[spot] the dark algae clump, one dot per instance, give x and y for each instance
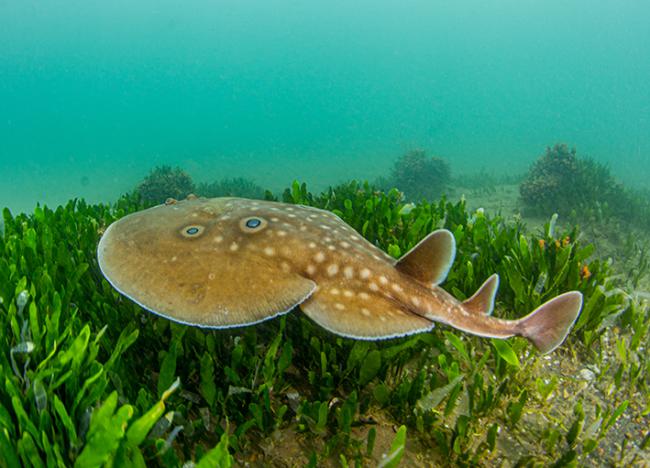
(89, 378)
(560, 181)
(419, 176)
(555, 182)
(165, 182)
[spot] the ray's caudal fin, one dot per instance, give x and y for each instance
(548, 325)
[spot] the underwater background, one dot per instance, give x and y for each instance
(522, 128)
(94, 94)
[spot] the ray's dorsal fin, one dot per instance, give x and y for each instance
(430, 260)
(482, 302)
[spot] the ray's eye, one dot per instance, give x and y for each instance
(192, 231)
(253, 223)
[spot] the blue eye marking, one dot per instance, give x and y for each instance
(253, 223)
(191, 231)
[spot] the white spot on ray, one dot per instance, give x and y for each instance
(339, 306)
(345, 245)
(348, 293)
(365, 312)
(348, 271)
(383, 280)
(397, 288)
(365, 273)
(364, 295)
(373, 287)
(312, 245)
(311, 269)
(333, 269)
(335, 291)
(319, 257)
(234, 246)
(282, 233)
(270, 251)
(217, 239)
(415, 301)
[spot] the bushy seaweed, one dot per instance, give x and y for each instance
(561, 182)
(418, 176)
(554, 182)
(165, 182)
(87, 377)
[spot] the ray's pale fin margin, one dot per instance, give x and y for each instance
(482, 302)
(548, 325)
(430, 260)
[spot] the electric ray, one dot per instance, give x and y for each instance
(228, 262)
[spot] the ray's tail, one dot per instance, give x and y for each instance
(548, 325)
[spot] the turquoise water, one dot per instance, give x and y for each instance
(93, 94)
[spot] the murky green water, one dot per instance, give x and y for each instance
(93, 94)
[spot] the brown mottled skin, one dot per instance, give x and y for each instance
(228, 262)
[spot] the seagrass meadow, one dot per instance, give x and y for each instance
(88, 378)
